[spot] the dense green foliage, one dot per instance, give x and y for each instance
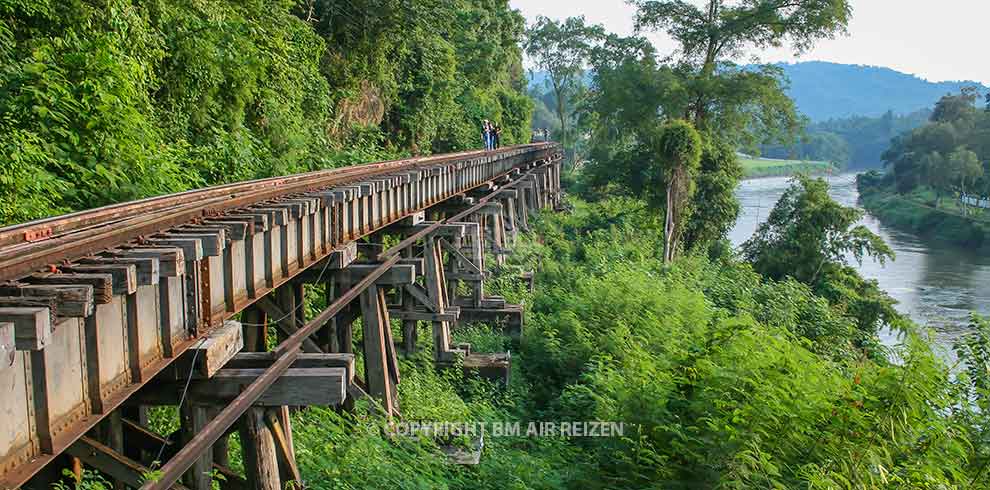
(857, 142)
(950, 154)
(730, 380)
(104, 101)
(916, 212)
(809, 237)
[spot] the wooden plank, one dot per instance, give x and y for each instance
(32, 326)
(102, 283)
(213, 240)
(236, 229)
(70, 301)
(171, 260)
(212, 353)
(47, 302)
(147, 267)
(124, 275)
(110, 462)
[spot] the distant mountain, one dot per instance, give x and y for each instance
(831, 90)
(826, 91)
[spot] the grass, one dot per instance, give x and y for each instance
(917, 212)
(764, 167)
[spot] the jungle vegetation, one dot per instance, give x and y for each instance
(110, 100)
(755, 370)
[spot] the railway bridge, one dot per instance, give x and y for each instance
(168, 301)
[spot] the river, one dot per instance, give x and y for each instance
(937, 284)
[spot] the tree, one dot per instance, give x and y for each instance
(560, 49)
(937, 173)
(808, 232)
(966, 167)
(675, 148)
(721, 31)
(955, 108)
(714, 207)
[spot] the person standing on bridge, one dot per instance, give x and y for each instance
(497, 133)
(486, 134)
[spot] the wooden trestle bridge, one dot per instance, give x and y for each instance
(107, 312)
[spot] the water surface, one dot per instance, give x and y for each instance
(937, 284)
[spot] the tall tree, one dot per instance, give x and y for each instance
(710, 37)
(675, 148)
(561, 50)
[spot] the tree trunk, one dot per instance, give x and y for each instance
(668, 227)
(559, 92)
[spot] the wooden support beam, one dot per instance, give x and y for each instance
(110, 462)
(448, 316)
(296, 387)
(422, 296)
(377, 332)
(464, 261)
(494, 367)
(399, 274)
(192, 419)
(263, 360)
(211, 353)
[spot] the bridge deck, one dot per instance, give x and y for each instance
(97, 304)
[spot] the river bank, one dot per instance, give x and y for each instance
(756, 168)
(915, 214)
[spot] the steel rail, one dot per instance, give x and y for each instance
(284, 355)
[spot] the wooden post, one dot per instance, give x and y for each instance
(255, 330)
(257, 441)
(409, 325)
(192, 419)
(436, 289)
(258, 449)
(376, 352)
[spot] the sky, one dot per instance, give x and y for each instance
(935, 40)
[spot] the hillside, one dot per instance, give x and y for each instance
(826, 90)
(830, 90)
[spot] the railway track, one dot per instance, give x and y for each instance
(99, 307)
(48, 242)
